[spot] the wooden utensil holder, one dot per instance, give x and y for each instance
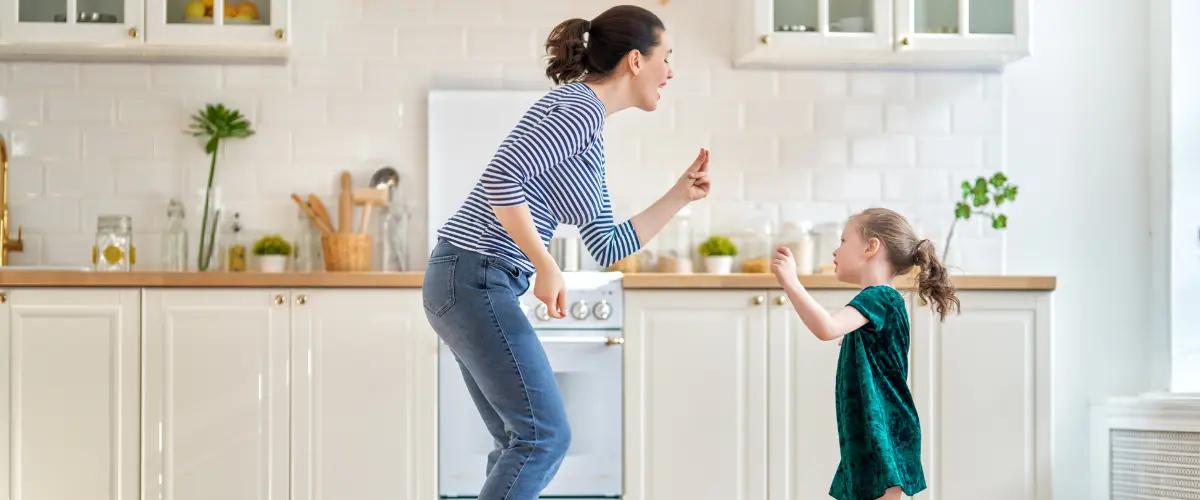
(347, 251)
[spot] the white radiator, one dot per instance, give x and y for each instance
(1147, 448)
(1154, 464)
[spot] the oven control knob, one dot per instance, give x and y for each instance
(542, 312)
(580, 310)
(603, 311)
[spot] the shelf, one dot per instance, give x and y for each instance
(78, 52)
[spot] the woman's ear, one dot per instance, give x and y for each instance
(634, 61)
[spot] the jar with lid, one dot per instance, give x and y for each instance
(675, 248)
(828, 237)
(755, 241)
(114, 250)
(797, 236)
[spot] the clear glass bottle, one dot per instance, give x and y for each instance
(174, 239)
(306, 252)
(393, 238)
(236, 254)
(114, 250)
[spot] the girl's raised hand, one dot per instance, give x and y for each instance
(783, 265)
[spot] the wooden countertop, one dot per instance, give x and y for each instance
(157, 279)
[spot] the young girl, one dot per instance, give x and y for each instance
(878, 430)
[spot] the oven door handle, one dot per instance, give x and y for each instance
(610, 341)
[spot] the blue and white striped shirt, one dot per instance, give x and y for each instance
(553, 160)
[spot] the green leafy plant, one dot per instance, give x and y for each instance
(716, 246)
(272, 244)
(214, 124)
(983, 197)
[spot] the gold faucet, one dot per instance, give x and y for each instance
(18, 244)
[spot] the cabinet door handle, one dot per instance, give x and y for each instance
(279, 300)
(302, 299)
(3, 297)
(764, 39)
(133, 32)
(279, 34)
(781, 300)
(759, 300)
(905, 42)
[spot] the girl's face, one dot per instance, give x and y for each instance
(654, 69)
(852, 255)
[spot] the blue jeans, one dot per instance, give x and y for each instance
(471, 301)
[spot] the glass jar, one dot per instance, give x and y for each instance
(675, 249)
(828, 237)
(114, 250)
(797, 236)
(235, 253)
(393, 238)
(755, 243)
(306, 252)
(174, 239)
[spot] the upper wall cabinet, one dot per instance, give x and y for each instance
(935, 34)
(90, 30)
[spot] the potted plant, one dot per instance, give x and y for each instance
(975, 200)
(213, 124)
(272, 252)
(718, 252)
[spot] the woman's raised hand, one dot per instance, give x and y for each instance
(694, 183)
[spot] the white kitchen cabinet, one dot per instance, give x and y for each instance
(802, 419)
(695, 395)
(144, 30)
(216, 394)
(112, 22)
(981, 382)
(949, 34)
(364, 395)
(69, 392)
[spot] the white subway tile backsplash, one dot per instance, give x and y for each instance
(703, 113)
(845, 117)
(783, 116)
(114, 76)
(883, 150)
(75, 179)
(127, 143)
(42, 76)
(814, 84)
(848, 185)
(21, 107)
(950, 86)
(977, 118)
(500, 44)
(176, 77)
(76, 250)
(45, 143)
(147, 109)
(952, 151)
(892, 86)
(744, 151)
(353, 96)
(919, 117)
(32, 253)
(812, 151)
(25, 179)
(779, 186)
(916, 185)
(46, 214)
(379, 40)
(82, 108)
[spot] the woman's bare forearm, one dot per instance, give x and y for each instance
(518, 221)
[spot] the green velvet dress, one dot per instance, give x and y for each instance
(878, 429)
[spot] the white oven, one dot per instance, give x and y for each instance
(585, 351)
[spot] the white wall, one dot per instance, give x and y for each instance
(100, 138)
(1077, 121)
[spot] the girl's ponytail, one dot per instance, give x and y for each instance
(933, 284)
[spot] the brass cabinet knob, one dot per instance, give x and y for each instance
(279, 34)
(3, 297)
(760, 300)
(764, 39)
(781, 300)
(611, 341)
(302, 299)
(279, 300)
(133, 32)
(905, 41)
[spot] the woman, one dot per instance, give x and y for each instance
(549, 170)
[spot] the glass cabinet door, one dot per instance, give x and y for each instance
(851, 16)
(231, 12)
(992, 17)
(57, 21)
(845, 24)
(996, 26)
(936, 16)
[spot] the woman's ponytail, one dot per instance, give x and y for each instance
(566, 48)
